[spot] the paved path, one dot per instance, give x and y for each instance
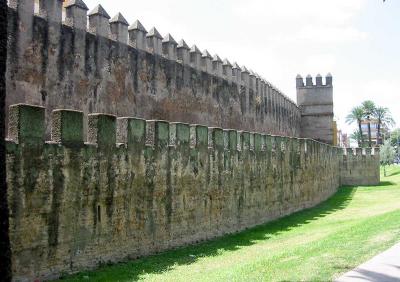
(385, 267)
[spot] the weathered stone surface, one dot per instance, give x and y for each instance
(169, 184)
(141, 186)
(360, 167)
(316, 106)
(90, 72)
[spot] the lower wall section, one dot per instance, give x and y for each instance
(360, 167)
(75, 205)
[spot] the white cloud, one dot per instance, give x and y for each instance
(381, 91)
(330, 34)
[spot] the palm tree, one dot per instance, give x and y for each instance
(384, 118)
(356, 115)
(369, 111)
(357, 136)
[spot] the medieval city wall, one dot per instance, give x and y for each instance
(138, 187)
(104, 189)
(64, 58)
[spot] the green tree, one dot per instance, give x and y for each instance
(384, 118)
(356, 115)
(395, 137)
(395, 140)
(387, 155)
(369, 111)
(357, 136)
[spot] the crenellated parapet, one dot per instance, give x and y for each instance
(315, 99)
(134, 187)
(27, 127)
(360, 166)
(98, 62)
(309, 82)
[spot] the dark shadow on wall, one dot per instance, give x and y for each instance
(133, 270)
(5, 252)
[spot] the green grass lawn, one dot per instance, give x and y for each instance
(317, 244)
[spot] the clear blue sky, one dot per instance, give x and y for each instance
(358, 41)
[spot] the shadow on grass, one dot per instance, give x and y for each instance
(163, 262)
(397, 172)
(386, 183)
(391, 171)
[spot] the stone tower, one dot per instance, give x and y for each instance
(316, 107)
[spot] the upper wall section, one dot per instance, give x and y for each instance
(62, 58)
(313, 93)
(316, 106)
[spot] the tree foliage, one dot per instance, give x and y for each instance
(395, 137)
(356, 136)
(356, 115)
(387, 155)
(368, 111)
(384, 118)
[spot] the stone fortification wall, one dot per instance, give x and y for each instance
(138, 187)
(360, 167)
(62, 58)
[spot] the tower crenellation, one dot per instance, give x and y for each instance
(227, 69)
(99, 21)
(309, 81)
(169, 47)
(183, 52)
(206, 60)
(75, 14)
(119, 28)
(245, 76)
(328, 79)
(195, 57)
(252, 79)
(316, 107)
(51, 10)
(154, 41)
(137, 35)
(217, 65)
(236, 73)
(318, 80)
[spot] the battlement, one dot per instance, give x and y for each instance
(358, 152)
(310, 83)
(27, 127)
(98, 22)
(67, 56)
